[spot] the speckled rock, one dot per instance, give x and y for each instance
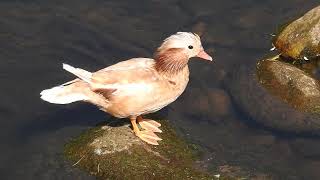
(119, 139)
(301, 38)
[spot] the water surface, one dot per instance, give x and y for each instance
(37, 36)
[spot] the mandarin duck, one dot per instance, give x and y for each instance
(135, 87)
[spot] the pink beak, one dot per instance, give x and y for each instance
(202, 54)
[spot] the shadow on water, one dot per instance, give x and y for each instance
(251, 123)
(81, 115)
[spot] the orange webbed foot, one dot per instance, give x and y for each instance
(148, 136)
(149, 125)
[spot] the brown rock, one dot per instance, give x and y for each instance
(260, 105)
(199, 28)
(263, 140)
(197, 101)
(301, 38)
(310, 169)
(290, 83)
(220, 104)
(213, 104)
(194, 101)
(306, 147)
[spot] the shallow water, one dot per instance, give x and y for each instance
(36, 37)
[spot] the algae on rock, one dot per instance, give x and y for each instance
(300, 39)
(293, 85)
(116, 153)
(298, 90)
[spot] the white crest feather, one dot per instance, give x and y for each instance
(181, 39)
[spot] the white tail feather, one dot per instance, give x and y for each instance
(63, 94)
(57, 95)
(81, 73)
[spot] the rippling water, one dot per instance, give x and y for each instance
(37, 36)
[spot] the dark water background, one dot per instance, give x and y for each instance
(37, 36)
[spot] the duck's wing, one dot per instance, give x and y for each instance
(127, 77)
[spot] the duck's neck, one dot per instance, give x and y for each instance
(171, 61)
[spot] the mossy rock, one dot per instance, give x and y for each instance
(293, 84)
(265, 104)
(300, 39)
(114, 152)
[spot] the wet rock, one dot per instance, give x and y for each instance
(236, 172)
(258, 104)
(233, 143)
(301, 38)
(231, 171)
(263, 140)
(310, 169)
(194, 102)
(290, 83)
(116, 153)
(308, 148)
(211, 104)
(220, 103)
(199, 28)
(262, 177)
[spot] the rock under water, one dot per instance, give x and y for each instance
(277, 92)
(293, 85)
(266, 108)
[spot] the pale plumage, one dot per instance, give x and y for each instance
(137, 86)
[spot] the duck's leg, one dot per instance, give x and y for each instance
(145, 135)
(149, 124)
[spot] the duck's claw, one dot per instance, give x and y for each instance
(150, 125)
(149, 137)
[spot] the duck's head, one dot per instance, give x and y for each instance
(176, 50)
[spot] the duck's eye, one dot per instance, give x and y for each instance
(190, 47)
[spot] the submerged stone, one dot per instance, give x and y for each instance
(300, 39)
(306, 147)
(114, 152)
(290, 83)
(275, 99)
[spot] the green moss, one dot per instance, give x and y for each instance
(172, 159)
(294, 38)
(281, 26)
(316, 110)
